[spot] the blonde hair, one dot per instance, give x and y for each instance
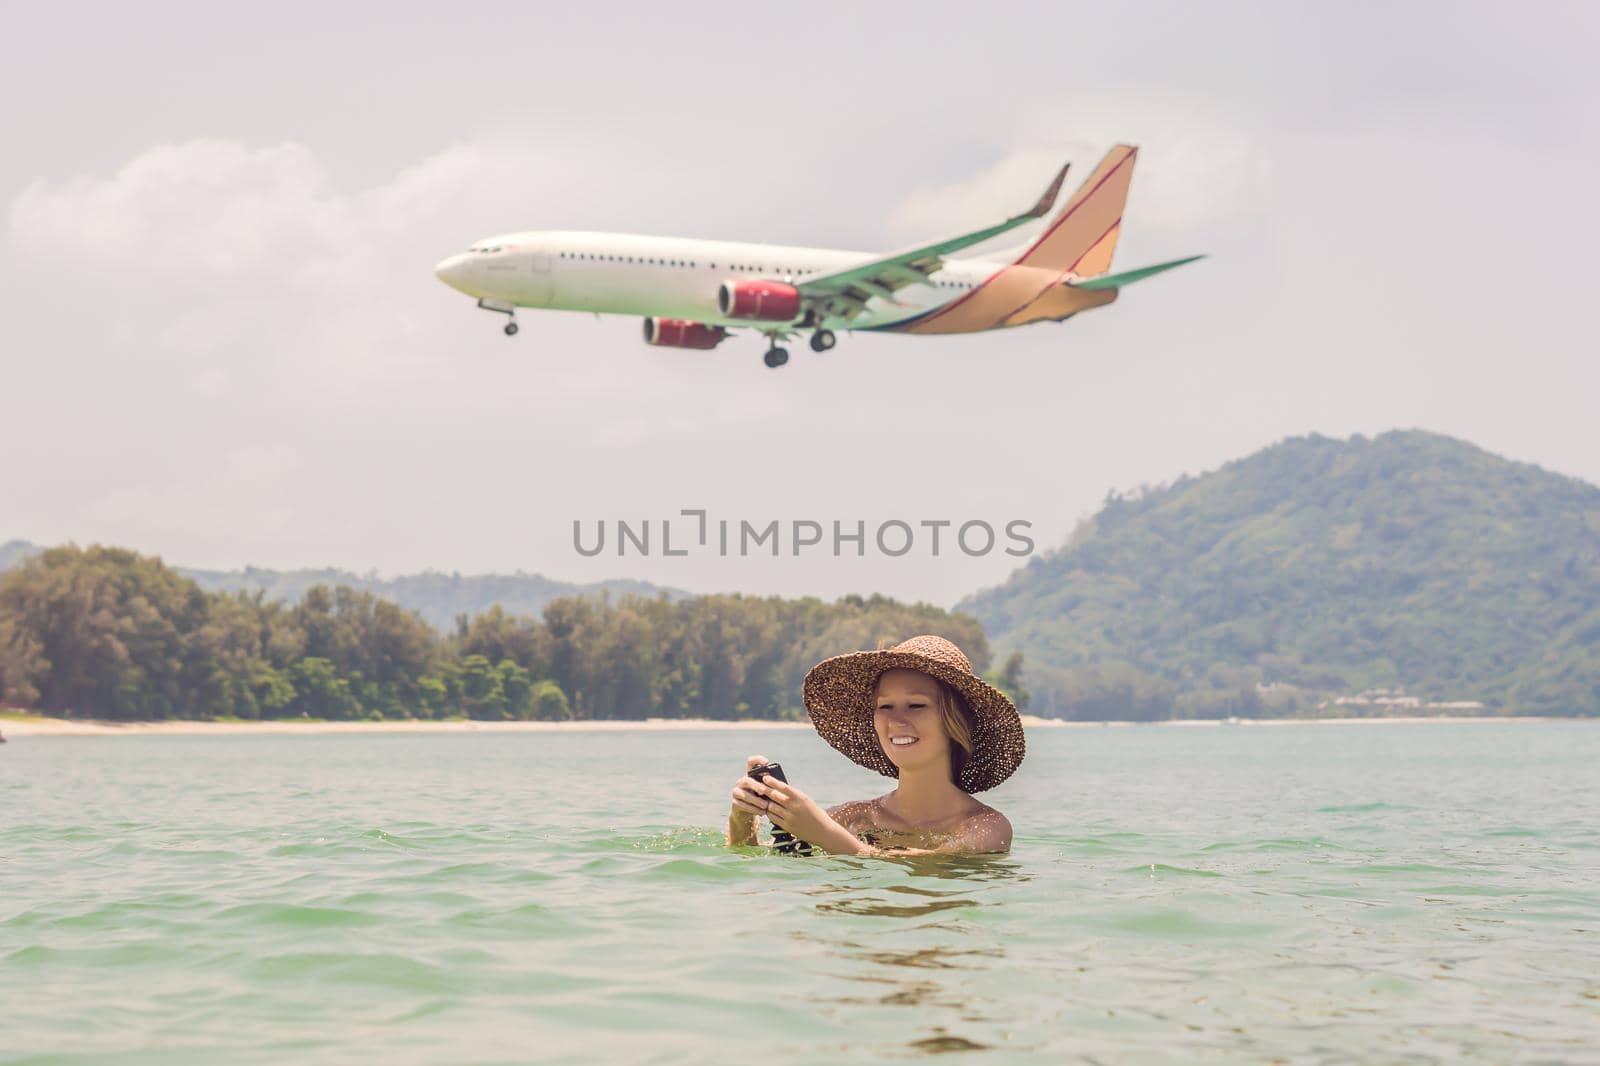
(957, 718)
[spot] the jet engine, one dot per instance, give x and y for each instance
(764, 301)
(682, 333)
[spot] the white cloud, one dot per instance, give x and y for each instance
(205, 207)
(254, 251)
(223, 211)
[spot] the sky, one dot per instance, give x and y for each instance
(221, 340)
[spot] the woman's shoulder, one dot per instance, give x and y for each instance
(986, 829)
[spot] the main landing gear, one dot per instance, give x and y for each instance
(822, 340)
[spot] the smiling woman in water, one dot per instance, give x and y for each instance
(915, 712)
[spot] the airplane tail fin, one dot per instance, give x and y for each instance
(1083, 235)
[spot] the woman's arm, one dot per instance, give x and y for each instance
(835, 839)
(799, 815)
(741, 828)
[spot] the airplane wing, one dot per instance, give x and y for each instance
(845, 294)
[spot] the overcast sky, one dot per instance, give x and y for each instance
(223, 342)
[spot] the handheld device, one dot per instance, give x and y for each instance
(783, 842)
(771, 769)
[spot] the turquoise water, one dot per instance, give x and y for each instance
(1307, 893)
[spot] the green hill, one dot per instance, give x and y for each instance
(438, 597)
(1312, 570)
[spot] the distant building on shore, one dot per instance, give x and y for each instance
(1395, 699)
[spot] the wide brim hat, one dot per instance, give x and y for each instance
(841, 695)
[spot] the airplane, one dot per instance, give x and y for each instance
(692, 293)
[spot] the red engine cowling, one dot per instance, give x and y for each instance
(682, 333)
(764, 301)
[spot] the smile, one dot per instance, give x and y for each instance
(902, 742)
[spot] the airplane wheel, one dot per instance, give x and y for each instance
(822, 340)
(511, 329)
(775, 357)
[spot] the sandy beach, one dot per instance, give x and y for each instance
(40, 726)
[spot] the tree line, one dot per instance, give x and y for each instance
(107, 633)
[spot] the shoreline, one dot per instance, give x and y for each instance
(41, 726)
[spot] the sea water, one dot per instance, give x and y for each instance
(1307, 893)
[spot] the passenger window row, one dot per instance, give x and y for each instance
(630, 259)
(737, 267)
(650, 261)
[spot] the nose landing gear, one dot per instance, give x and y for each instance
(509, 310)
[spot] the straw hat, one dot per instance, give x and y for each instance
(841, 694)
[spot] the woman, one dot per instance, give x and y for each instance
(916, 712)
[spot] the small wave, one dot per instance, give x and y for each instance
(1155, 868)
(1410, 868)
(136, 954)
(292, 914)
(1470, 890)
(528, 919)
(385, 970)
(1277, 844)
(690, 870)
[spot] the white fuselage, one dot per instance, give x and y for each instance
(671, 277)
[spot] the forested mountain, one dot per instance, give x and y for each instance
(1314, 569)
(438, 597)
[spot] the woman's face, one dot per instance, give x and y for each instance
(907, 708)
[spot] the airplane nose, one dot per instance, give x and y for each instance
(453, 272)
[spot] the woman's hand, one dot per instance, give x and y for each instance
(746, 800)
(747, 807)
(799, 815)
